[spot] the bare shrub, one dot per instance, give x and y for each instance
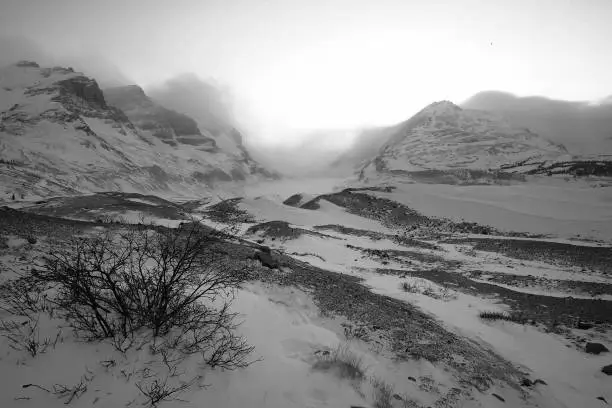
(410, 287)
(509, 317)
(25, 336)
(24, 296)
(72, 392)
(64, 391)
(424, 287)
(159, 390)
(355, 332)
(382, 393)
(346, 363)
(177, 283)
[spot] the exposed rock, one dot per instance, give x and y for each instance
(446, 144)
(526, 382)
(294, 200)
(89, 144)
(498, 397)
(283, 231)
(267, 260)
(595, 348)
(584, 325)
(83, 88)
(607, 369)
(168, 125)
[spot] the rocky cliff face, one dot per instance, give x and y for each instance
(207, 103)
(171, 127)
(446, 139)
(59, 134)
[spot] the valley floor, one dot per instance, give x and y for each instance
(451, 296)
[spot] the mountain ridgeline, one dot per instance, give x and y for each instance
(444, 143)
(61, 133)
(169, 126)
(584, 128)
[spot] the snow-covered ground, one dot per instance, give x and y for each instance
(281, 189)
(266, 209)
(289, 331)
(565, 210)
(573, 377)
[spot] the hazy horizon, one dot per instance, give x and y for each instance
(296, 66)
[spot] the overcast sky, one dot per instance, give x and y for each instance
(337, 63)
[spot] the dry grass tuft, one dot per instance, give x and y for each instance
(346, 363)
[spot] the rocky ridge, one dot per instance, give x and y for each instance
(446, 139)
(59, 134)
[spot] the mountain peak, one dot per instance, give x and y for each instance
(127, 96)
(441, 107)
(445, 137)
(135, 89)
(25, 64)
(91, 144)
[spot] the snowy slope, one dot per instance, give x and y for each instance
(445, 137)
(58, 134)
(208, 103)
(169, 126)
(584, 127)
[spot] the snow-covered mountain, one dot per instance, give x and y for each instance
(169, 126)
(59, 134)
(366, 144)
(209, 105)
(584, 128)
(444, 137)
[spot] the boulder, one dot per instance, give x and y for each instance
(607, 370)
(595, 348)
(499, 397)
(267, 260)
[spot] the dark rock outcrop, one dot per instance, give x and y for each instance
(83, 88)
(584, 325)
(499, 397)
(267, 260)
(166, 124)
(294, 200)
(595, 348)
